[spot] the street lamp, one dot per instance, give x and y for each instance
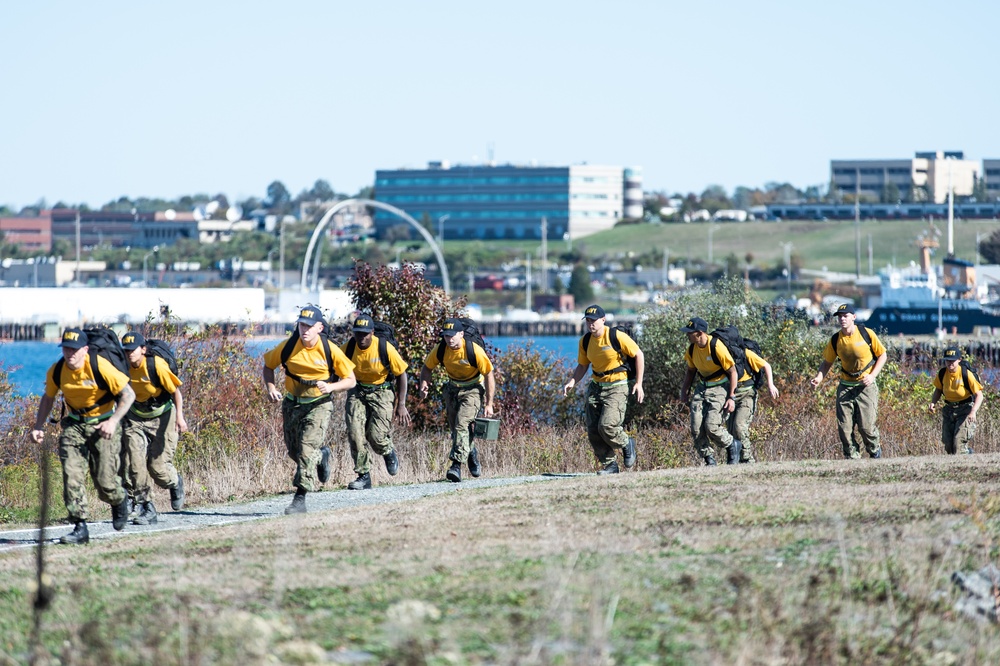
(441, 230)
(269, 254)
(145, 274)
(712, 228)
(788, 266)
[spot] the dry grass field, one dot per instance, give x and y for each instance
(809, 562)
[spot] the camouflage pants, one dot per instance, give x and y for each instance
(956, 428)
(740, 419)
(148, 447)
(462, 405)
(305, 428)
(82, 449)
(857, 405)
(368, 413)
(605, 419)
(708, 419)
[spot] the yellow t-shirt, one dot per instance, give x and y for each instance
(754, 363)
(79, 387)
(602, 357)
(142, 383)
(368, 368)
(708, 368)
(456, 363)
(854, 353)
(309, 364)
(952, 386)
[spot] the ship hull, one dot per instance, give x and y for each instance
(924, 321)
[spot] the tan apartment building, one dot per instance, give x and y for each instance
(925, 177)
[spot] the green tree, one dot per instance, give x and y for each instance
(989, 248)
(278, 198)
(890, 193)
(579, 284)
(321, 190)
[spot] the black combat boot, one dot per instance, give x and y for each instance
(391, 463)
(610, 468)
(298, 504)
(877, 454)
(733, 452)
(710, 460)
(177, 494)
(363, 482)
(146, 515)
(78, 535)
(628, 453)
(474, 468)
(454, 472)
(323, 466)
(119, 515)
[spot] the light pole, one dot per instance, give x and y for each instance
(269, 253)
(145, 273)
(441, 230)
(712, 228)
(788, 266)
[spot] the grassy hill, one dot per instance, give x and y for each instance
(830, 243)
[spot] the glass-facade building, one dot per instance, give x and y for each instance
(507, 201)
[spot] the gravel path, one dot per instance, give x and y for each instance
(272, 507)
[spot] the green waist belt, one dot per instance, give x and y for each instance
(465, 384)
(152, 412)
(91, 420)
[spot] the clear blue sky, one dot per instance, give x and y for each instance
(161, 99)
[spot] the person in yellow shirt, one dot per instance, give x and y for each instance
(151, 428)
(470, 387)
(314, 369)
(98, 396)
(369, 408)
(862, 356)
(608, 390)
(714, 397)
(963, 394)
(746, 401)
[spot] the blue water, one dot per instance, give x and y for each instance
(27, 362)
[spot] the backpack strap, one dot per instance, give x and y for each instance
(57, 372)
(383, 353)
(286, 353)
(154, 376)
(713, 341)
(965, 378)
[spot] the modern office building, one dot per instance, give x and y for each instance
(924, 177)
(510, 201)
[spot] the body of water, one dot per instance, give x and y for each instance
(27, 362)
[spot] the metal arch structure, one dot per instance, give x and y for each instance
(317, 232)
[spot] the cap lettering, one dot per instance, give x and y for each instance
(71, 336)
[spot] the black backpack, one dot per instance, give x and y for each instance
(866, 336)
(162, 349)
(731, 338)
(101, 341)
(472, 334)
(286, 353)
(386, 335)
(627, 362)
(756, 375)
(967, 369)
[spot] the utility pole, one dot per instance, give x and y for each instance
(78, 246)
(857, 223)
(666, 262)
(527, 283)
(281, 255)
(543, 287)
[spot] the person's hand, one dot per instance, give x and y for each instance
(273, 394)
(488, 411)
(402, 416)
(773, 390)
(972, 417)
(868, 379)
(933, 406)
(424, 389)
(107, 428)
(730, 405)
(817, 380)
(182, 425)
(569, 386)
(638, 393)
(38, 436)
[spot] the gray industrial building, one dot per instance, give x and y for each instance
(510, 201)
